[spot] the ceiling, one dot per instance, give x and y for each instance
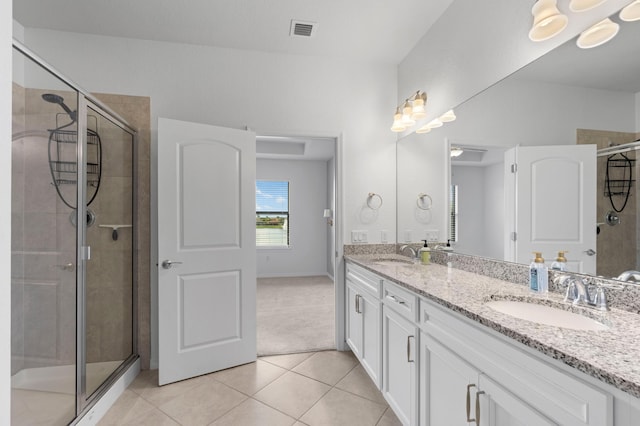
(367, 30)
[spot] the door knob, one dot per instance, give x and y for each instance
(590, 252)
(167, 264)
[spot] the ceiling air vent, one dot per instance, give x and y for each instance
(302, 28)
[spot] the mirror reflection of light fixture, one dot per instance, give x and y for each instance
(397, 122)
(547, 20)
(631, 12)
(424, 129)
(435, 123)
(456, 152)
(327, 214)
(583, 5)
(598, 34)
(411, 110)
(448, 116)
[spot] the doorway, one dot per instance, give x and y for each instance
(295, 244)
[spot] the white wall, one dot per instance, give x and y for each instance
(478, 43)
(5, 213)
(307, 254)
(269, 93)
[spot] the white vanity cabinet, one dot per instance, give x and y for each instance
(400, 352)
(453, 392)
(467, 369)
(364, 319)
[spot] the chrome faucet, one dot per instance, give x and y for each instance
(629, 276)
(414, 252)
(578, 293)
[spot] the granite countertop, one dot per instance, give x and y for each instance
(609, 355)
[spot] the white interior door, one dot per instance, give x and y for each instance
(554, 193)
(206, 248)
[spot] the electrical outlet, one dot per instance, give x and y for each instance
(407, 235)
(431, 235)
(383, 236)
(358, 236)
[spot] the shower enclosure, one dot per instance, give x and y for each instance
(72, 274)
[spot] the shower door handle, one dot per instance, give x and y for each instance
(167, 264)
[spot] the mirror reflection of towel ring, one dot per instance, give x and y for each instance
(374, 201)
(420, 202)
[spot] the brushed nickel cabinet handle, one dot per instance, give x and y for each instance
(358, 309)
(409, 349)
(469, 419)
(478, 407)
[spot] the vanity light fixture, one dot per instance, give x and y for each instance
(424, 129)
(412, 109)
(631, 12)
(448, 116)
(598, 34)
(583, 5)
(547, 20)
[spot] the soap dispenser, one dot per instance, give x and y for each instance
(425, 253)
(538, 274)
(560, 264)
(448, 247)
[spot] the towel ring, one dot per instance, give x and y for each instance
(371, 203)
(420, 201)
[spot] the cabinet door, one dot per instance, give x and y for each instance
(448, 386)
(399, 380)
(499, 407)
(354, 320)
(371, 352)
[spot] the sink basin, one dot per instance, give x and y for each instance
(547, 315)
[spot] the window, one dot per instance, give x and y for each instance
(272, 213)
(453, 213)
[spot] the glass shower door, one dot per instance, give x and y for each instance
(109, 272)
(43, 247)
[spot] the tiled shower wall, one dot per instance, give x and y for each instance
(43, 241)
(617, 247)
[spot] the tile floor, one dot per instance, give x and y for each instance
(317, 388)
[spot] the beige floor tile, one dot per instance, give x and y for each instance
(328, 367)
(129, 407)
(158, 395)
(249, 378)
(359, 383)
(146, 379)
(287, 361)
(292, 394)
(254, 413)
(29, 407)
(203, 404)
(338, 408)
(389, 419)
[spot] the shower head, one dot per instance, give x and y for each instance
(56, 99)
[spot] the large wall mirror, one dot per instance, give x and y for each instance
(569, 97)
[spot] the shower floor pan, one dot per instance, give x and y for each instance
(62, 378)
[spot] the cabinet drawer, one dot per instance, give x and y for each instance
(399, 299)
(367, 280)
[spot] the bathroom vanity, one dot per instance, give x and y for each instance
(441, 355)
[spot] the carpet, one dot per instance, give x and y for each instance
(295, 314)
